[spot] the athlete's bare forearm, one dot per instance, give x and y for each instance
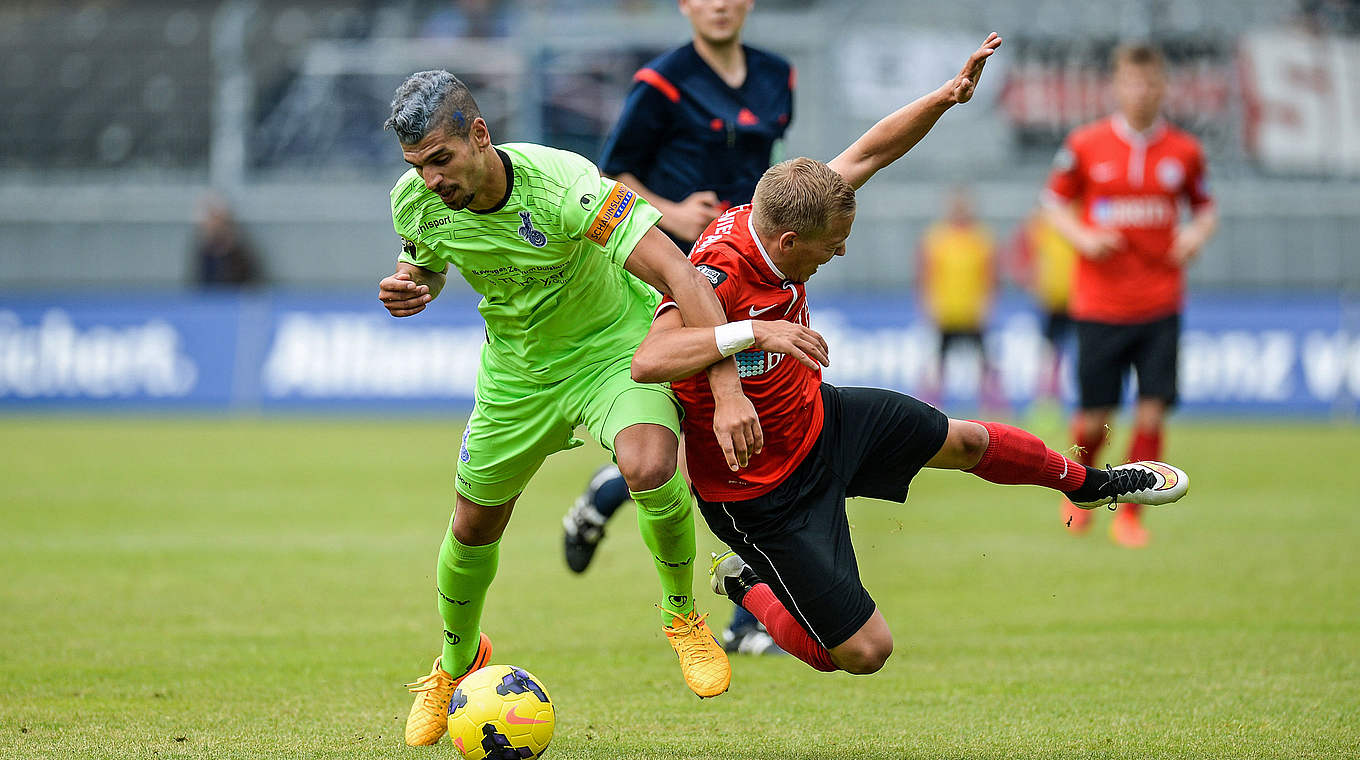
(671, 351)
(899, 132)
(409, 290)
(891, 138)
(660, 264)
(422, 276)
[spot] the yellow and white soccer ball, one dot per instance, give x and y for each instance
(501, 712)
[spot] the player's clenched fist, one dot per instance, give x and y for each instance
(792, 339)
(402, 296)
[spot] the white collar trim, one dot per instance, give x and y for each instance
(751, 225)
(1131, 135)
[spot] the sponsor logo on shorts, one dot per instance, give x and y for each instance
(463, 455)
(714, 275)
(616, 208)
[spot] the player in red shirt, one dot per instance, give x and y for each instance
(1116, 192)
(785, 511)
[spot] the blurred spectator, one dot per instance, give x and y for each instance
(469, 18)
(222, 255)
(958, 282)
(1042, 262)
(1330, 16)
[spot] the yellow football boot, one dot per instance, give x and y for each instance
(702, 660)
(429, 718)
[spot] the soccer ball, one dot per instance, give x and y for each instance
(501, 712)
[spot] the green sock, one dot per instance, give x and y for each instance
(667, 528)
(464, 575)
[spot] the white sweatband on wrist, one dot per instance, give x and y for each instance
(734, 336)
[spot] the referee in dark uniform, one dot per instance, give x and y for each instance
(699, 127)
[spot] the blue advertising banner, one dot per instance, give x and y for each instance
(1240, 353)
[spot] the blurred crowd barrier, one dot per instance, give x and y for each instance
(1249, 355)
(122, 114)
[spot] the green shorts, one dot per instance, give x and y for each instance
(516, 424)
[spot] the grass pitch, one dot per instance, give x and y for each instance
(261, 589)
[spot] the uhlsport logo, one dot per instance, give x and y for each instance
(433, 224)
(526, 230)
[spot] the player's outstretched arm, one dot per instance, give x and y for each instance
(671, 351)
(656, 261)
(897, 133)
(410, 289)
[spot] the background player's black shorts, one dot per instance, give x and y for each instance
(951, 338)
(1057, 325)
(1105, 352)
(797, 537)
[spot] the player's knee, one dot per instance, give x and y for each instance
(866, 657)
(972, 441)
(643, 473)
(963, 446)
(479, 525)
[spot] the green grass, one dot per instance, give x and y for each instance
(247, 589)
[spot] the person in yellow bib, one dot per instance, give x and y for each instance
(1043, 262)
(958, 283)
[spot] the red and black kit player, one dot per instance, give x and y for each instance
(1116, 192)
(793, 564)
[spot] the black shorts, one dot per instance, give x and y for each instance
(1057, 325)
(951, 338)
(1106, 352)
(797, 537)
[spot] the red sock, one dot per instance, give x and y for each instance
(1016, 457)
(784, 629)
(1146, 444)
(1087, 447)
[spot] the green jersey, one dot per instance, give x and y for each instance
(548, 261)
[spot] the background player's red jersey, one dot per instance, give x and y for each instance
(1132, 183)
(784, 392)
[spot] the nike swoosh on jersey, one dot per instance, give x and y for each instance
(757, 312)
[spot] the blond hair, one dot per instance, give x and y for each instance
(803, 195)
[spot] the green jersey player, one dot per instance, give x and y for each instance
(568, 265)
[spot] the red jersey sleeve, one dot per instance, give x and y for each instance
(1066, 180)
(718, 269)
(1196, 189)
